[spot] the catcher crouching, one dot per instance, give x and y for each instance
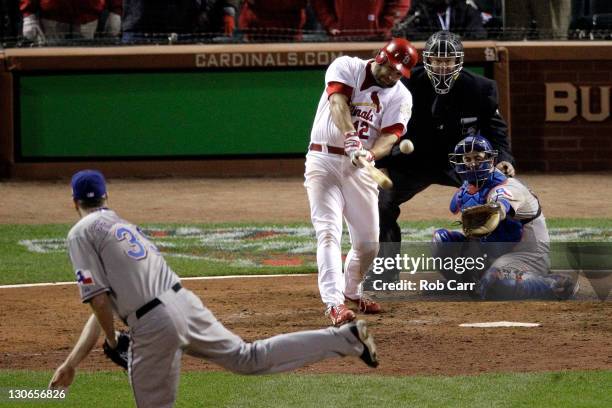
(502, 217)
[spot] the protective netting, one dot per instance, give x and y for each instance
(271, 35)
(24, 24)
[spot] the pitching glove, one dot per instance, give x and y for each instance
(119, 354)
(31, 29)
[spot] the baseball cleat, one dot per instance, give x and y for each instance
(566, 288)
(340, 314)
(360, 330)
(366, 305)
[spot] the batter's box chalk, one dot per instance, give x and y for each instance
(500, 324)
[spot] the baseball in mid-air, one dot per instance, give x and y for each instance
(406, 146)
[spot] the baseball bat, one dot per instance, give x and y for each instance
(379, 177)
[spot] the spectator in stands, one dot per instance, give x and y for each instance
(491, 15)
(9, 17)
(552, 18)
(313, 29)
(360, 19)
(272, 20)
(561, 17)
(53, 21)
(429, 16)
(176, 20)
(218, 17)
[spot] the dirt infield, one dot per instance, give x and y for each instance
(269, 200)
(39, 325)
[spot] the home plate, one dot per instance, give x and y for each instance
(500, 324)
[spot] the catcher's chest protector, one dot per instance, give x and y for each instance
(468, 196)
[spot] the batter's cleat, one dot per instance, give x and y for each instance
(360, 330)
(366, 305)
(340, 314)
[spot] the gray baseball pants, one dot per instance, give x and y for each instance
(182, 324)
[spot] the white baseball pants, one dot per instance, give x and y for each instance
(336, 190)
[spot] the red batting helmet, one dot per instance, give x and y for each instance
(400, 54)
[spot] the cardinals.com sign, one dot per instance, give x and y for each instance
(266, 59)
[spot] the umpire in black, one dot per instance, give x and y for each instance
(449, 104)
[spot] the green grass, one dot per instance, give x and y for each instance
(220, 389)
(199, 253)
(18, 265)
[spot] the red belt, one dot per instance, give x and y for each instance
(330, 149)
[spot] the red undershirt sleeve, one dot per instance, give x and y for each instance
(339, 87)
(396, 129)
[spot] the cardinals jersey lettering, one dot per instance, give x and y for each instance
(374, 109)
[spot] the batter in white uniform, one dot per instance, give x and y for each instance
(362, 112)
(119, 271)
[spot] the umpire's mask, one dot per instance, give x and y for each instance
(443, 60)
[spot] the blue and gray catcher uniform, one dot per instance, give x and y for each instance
(522, 271)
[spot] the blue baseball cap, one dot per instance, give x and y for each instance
(88, 185)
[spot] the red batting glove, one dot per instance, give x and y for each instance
(366, 154)
(352, 143)
(354, 149)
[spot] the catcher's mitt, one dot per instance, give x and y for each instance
(480, 220)
(119, 354)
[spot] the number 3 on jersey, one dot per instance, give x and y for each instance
(136, 249)
(362, 129)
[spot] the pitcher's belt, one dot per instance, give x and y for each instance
(147, 307)
(143, 310)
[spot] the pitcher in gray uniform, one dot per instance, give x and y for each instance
(119, 271)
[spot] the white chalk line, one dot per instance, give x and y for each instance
(30, 285)
(500, 324)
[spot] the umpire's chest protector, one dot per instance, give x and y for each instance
(439, 122)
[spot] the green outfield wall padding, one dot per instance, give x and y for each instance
(167, 114)
(118, 115)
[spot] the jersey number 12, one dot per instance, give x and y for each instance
(362, 129)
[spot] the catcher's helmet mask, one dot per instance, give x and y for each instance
(443, 60)
(474, 159)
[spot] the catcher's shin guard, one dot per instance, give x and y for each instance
(453, 244)
(444, 235)
(513, 284)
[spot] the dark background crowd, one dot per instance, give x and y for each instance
(74, 22)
